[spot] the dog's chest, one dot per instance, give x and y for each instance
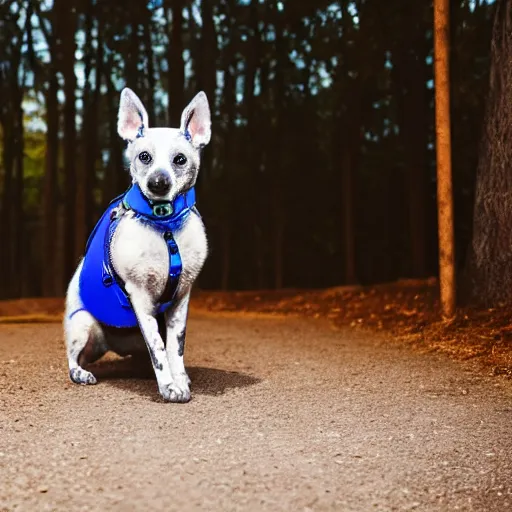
(140, 255)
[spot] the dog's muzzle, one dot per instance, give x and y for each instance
(159, 183)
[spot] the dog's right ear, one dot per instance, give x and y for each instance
(196, 121)
(133, 118)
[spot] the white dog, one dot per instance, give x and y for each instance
(144, 254)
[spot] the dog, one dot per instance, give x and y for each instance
(131, 290)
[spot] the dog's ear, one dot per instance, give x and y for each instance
(132, 119)
(196, 121)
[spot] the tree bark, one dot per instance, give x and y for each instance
(488, 273)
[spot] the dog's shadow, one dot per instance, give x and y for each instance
(136, 375)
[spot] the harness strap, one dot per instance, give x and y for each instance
(110, 276)
(102, 290)
(175, 268)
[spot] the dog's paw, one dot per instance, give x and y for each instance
(176, 392)
(81, 376)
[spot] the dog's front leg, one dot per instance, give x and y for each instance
(176, 324)
(143, 308)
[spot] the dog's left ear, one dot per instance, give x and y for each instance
(196, 121)
(132, 118)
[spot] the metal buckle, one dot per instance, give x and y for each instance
(162, 210)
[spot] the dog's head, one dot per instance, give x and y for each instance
(164, 161)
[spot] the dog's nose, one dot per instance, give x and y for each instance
(159, 183)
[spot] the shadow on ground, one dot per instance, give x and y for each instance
(136, 375)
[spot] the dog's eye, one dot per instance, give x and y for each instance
(145, 157)
(180, 159)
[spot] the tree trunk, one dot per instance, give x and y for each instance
(11, 117)
(206, 74)
(7, 206)
(443, 154)
(50, 188)
(51, 282)
(252, 106)
(18, 224)
(348, 220)
(348, 130)
(67, 51)
(259, 255)
(175, 62)
(150, 85)
(209, 51)
(279, 230)
(226, 256)
(116, 178)
(84, 195)
(229, 147)
(277, 172)
(92, 150)
(194, 48)
(415, 136)
(488, 274)
(410, 50)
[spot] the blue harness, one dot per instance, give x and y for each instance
(101, 290)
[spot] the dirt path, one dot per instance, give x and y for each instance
(286, 415)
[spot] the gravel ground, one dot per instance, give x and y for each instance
(286, 414)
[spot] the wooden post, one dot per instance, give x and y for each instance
(443, 152)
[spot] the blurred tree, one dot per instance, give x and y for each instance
(175, 61)
(12, 85)
(48, 82)
(411, 49)
(86, 171)
(149, 82)
(206, 74)
(65, 23)
(322, 150)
